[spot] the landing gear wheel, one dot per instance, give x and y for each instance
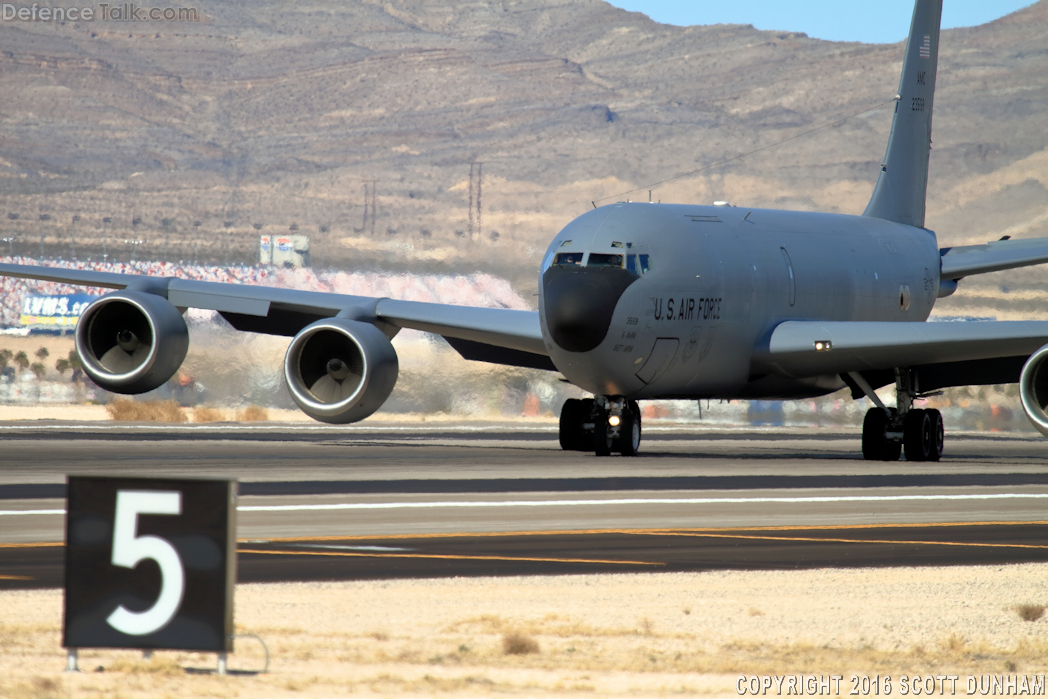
(938, 435)
(572, 415)
(917, 438)
(875, 443)
(628, 441)
(601, 440)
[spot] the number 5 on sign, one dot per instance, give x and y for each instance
(129, 550)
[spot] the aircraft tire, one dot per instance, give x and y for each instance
(917, 435)
(628, 442)
(875, 444)
(572, 415)
(938, 435)
(601, 442)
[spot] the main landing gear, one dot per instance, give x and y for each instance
(889, 432)
(601, 425)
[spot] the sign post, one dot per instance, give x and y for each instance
(150, 564)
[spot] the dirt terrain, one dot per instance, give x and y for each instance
(633, 635)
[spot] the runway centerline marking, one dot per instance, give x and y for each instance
(452, 557)
(636, 501)
(616, 501)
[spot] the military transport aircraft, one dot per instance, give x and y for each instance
(641, 301)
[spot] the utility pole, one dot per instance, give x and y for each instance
(476, 175)
(364, 222)
(76, 219)
(471, 166)
(373, 183)
(106, 220)
(480, 179)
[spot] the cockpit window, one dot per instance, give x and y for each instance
(645, 264)
(568, 258)
(631, 264)
(603, 260)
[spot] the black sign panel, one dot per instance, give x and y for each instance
(150, 563)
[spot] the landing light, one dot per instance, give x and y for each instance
(823, 345)
(614, 420)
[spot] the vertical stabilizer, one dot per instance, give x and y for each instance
(903, 182)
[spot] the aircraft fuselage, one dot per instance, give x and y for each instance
(718, 280)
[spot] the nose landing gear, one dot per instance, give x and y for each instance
(602, 425)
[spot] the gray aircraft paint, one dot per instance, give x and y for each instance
(719, 285)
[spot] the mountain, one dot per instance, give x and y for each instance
(259, 116)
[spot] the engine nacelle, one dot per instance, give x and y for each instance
(1033, 389)
(339, 370)
(131, 341)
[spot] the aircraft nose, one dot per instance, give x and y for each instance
(579, 302)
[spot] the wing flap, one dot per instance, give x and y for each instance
(866, 346)
(998, 255)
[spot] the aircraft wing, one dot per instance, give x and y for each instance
(966, 260)
(496, 335)
(873, 346)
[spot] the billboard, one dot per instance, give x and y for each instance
(53, 313)
(287, 251)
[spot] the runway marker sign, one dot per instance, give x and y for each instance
(150, 563)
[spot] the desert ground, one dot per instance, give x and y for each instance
(604, 635)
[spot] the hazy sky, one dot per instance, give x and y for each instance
(871, 21)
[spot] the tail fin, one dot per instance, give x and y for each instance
(903, 181)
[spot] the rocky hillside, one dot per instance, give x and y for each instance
(194, 137)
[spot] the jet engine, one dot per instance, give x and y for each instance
(339, 370)
(1033, 389)
(131, 341)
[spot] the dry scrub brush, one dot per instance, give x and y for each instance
(517, 643)
(203, 413)
(253, 413)
(127, 410)
(1030, 612)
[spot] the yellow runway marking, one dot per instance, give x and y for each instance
(450, 557)
(665, 531)
(15, 577)
(856, 541)
(644, 532)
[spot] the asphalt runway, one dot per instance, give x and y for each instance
(433, 500)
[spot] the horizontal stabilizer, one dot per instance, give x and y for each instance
(966, 260)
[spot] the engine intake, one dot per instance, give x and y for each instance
(1033, 389)
(340, 371)
(131, 341)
